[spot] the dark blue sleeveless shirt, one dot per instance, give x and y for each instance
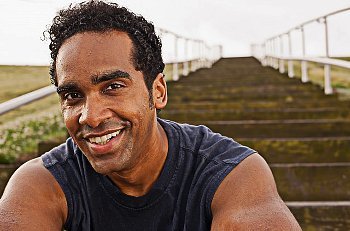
(197, 162)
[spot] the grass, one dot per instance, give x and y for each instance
(18, 80)
(19, 139)
(23, 128)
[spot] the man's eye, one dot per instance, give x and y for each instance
(72, 96)
(114, 86)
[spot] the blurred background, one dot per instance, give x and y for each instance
(249, 69)
(234, 24)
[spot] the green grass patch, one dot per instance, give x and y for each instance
(22, 129)
(19, 139)
(18, 80)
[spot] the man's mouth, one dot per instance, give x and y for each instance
(102, 140)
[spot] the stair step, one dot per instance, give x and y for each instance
(229, 82)
(312, 181)
(181, 115)
(321, 215)
(301, 150)
(246, 95)
(279, 128)
(258, 103)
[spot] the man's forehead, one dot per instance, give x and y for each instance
(94, 53)
(91, 39)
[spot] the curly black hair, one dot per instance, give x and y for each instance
(100, 16)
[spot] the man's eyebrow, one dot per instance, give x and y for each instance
(66, 87)
(96, 79)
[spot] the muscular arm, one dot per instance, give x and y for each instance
(32, 200)
(247, 199)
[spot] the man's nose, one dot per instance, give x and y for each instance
(94, 112)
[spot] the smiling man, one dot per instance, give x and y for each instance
(123, 168)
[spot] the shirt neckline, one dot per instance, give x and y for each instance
(159, 188)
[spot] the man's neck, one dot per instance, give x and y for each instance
(139, 180)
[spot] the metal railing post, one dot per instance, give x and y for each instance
(185, 69)
(327, 80)
(197, 63)
(276, 64)
(267, 52)
(220, 51)
(175, 64)
(199, 55)
(202, 54)
(193, 61)
(327, 69)
(290, 62)
(264, 61)
(206, 56)
(281, 68)
(304, 75)
(270, 52)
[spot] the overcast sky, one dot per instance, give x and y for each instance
(235, 24)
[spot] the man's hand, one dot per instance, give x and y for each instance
(33, 200)
(247, 199)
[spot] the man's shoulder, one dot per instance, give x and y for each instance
(59, 154)
(32, 175)
(255, 203)
(30, 189)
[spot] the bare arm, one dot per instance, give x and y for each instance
(33, 200)
(247, 199)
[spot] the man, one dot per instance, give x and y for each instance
(124, 168)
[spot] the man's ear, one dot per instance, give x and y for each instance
(160, 97)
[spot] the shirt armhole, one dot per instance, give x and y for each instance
(58, 175)
(216, 181)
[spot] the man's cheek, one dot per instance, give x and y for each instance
(70, 118)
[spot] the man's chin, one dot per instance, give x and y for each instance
(103, 170)
(106, 167)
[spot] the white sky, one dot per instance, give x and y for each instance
(235, 24)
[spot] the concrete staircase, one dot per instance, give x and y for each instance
(303, 134)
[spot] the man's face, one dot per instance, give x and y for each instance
(104, 100)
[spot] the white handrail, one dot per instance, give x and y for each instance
(205, 56)
(320, 60)
(26, 98)
(268, 54)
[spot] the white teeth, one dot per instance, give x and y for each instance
(103, 139)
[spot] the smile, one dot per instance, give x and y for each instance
(102, 140)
